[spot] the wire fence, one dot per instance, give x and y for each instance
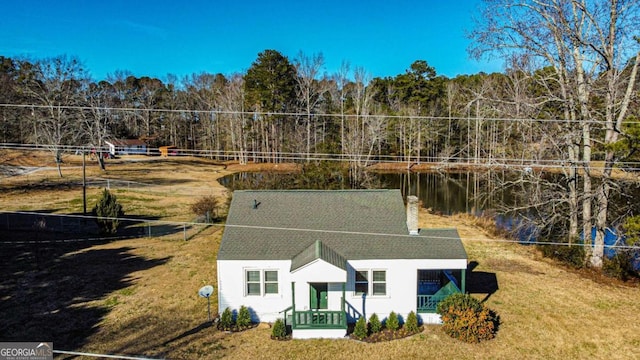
(38, 227)
(438, 161)
(152, 188)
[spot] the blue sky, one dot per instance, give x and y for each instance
(154, 38)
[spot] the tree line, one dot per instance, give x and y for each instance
(567, 98)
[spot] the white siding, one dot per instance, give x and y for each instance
(231, 288)
(402, 278)
(319, 271)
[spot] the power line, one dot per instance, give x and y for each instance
(303, 114)
(438, 162)
(326, 231)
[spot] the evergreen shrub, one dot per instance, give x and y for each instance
(392, 322)
(244, 318)
(374, 324)
(279, 330)
(107, 211)
(360, 330)
(411, 325)
(226, 320)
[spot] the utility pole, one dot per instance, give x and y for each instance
(84, 183)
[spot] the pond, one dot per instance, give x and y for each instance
(447, 193)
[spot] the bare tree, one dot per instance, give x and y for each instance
(97, 119)
(232, 100)
(341, 80)
(363, 129)
(587, 44)
(309, 88)
(56, 85)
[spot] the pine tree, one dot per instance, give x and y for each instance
(107, 211)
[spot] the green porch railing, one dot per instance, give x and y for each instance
(429, 303)
(315, 319)
(319, 319)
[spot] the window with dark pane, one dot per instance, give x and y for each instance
(362, 282)
(271, 282)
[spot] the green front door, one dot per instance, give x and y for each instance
(318, 295)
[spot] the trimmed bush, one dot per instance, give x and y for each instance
(392, 322)
(465, 318)
(374, 324)
(279, 330)
(244, 318)
(107, 211)
(411, 324)
(360, 330)
(226, 320)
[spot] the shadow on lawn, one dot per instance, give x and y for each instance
(187, 333)
(46, 287)
(43, 225)
(481, 282)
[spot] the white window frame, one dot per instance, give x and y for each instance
(370, 282)
(270, 282)
(374, 282)
(261, 282)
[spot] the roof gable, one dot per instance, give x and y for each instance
(321, 251)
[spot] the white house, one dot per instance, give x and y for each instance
(322, 258)
(126, 147)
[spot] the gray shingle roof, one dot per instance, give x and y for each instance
(354, 224)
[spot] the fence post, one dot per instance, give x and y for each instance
(184, 230)
(149, 228)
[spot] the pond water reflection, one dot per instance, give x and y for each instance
(442, 192)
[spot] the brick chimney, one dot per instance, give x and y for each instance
(412, 215)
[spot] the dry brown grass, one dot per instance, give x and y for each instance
(148, 304)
